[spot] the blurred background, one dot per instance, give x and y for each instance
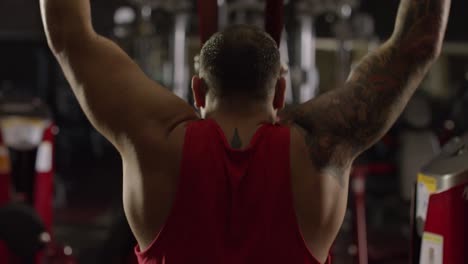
(42, 124)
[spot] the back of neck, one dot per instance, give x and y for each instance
(239, 129)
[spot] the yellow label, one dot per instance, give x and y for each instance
(434, 238)
(429, 182)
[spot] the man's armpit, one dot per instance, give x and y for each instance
(323, 154)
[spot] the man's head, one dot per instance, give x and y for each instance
(239, 66)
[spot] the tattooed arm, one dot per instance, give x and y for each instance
(341, 124)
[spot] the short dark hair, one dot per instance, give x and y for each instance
(242, 61)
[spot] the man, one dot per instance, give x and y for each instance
(235, 187)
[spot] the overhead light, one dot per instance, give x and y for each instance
(124, 15)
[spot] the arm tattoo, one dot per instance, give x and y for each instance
(341, 124)
(236, 142)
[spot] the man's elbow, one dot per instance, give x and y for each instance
(64, 40)
(65, 22)
(63, 36)
(53, 25)
(55, 40)
(428, 50)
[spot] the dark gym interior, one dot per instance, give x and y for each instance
(87, 218)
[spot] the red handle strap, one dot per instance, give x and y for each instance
(208, 19)
(274, 20)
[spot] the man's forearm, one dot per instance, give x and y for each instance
(420, 28)
(383, 82)
(65, 22)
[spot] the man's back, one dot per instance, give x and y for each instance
(230, 205)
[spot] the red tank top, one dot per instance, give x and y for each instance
(232, 206)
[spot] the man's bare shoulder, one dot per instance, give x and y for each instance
(155, 143)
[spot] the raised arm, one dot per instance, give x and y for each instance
(345, 122)
(120, 101)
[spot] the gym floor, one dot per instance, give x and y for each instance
(92, 204)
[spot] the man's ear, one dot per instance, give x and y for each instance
(280, 94)
(199, 92)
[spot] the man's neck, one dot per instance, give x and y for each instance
(239, 128)
(242, 118)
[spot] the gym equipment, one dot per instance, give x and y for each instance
(440, 211)
(181, 68)
(147, 44)
(26, 178)
(28, 137)
(208, 15)
(359, 176)
(304, 73)
(418, 143)
(303, 40)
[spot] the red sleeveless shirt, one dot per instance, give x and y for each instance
(232, 206)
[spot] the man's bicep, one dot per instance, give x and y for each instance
(348, 120)
(117, 97)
